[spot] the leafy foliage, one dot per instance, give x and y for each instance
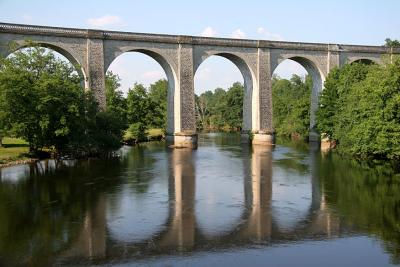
(291, 106)
(43, 102)
(136, 133)
(333, 97)
(116, 102)
(157, 94)
(392, 43)
(148, 106)
(365, 115)
(220, 110)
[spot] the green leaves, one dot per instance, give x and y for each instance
(291, 106)
(37, 88)
(42, 101)
(392, 43)
(158, 93)
(221, 110)
(360, 108)
(116, 102)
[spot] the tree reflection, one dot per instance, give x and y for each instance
(42, 215)
(139, 163)
(368, 199)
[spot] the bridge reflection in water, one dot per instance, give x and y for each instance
(181, 232)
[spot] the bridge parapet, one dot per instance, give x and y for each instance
(194, 40)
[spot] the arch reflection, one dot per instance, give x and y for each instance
(181, 226)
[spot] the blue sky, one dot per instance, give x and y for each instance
(350, 22)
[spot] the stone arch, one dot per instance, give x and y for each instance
(249, 78)
(315, 68)
(363, 60)
(171, 78)
(73, 59)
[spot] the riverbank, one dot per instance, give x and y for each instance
(14, 151)
(154, 134)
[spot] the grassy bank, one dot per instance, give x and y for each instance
(16, 149)
(155, 132)
(13, 149)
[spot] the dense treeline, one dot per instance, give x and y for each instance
(220, 110)
(360, 108)
(291, 106)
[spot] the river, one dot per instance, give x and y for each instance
(225, 203)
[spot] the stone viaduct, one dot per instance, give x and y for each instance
(180, 56)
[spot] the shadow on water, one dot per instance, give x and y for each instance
(157, 202)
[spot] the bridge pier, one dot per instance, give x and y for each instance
(182, 130)
(94, 66)
(266, 139)
(182, 140)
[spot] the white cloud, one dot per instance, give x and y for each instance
(209, 32)
(153, 74)
(104, 21)
(238, 34)
(269, 35)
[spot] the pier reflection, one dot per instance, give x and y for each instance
(258, 223)
(180, 232)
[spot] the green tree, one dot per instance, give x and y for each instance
(138, 105)
(392, 43)
(365, 116)
(291, 106)
(3, 122)
(43, 101)
(372, 127)
(233, 114)
(157, 96)
(202, 103)
(116, 102)
(220, 110)
(335, 93)
(218, 106)
(136, 133)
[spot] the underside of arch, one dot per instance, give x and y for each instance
(248, 78)
(78, 67)
(366, 61)
(172, 81)
(318, 79)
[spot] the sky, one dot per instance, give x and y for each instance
(367, 22)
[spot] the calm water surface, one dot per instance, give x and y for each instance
(223, 204)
